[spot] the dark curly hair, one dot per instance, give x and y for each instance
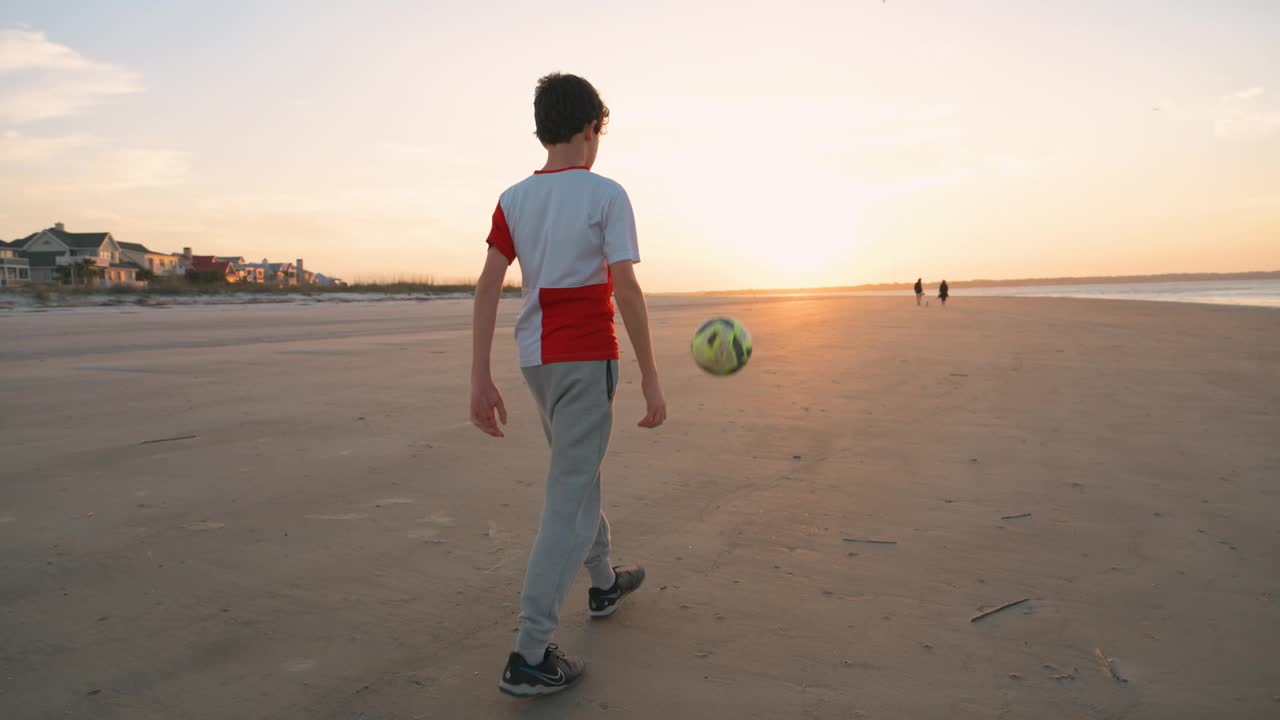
(563, 105)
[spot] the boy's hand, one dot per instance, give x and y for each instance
(655, 402)
(635, 313)
(485, 399)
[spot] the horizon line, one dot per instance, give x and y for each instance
(998, 282)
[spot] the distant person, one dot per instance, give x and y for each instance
(574, 234)
(944, 292)
(919, 291)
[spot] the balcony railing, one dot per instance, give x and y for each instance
(101, 260)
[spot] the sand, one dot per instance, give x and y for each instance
(335, 541)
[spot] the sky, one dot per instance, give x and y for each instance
(763, 144)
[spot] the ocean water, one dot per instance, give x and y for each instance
(1259, 293)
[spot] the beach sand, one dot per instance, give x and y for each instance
(336, 541)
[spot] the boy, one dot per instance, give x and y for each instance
(574, 234)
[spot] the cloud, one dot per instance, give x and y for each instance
(364, 203)
(1240, 116)
(18, 149)
(41, 79)
(133, 168)
(1247, 125)
(83, 163)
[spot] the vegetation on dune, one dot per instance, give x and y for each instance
(169, 287)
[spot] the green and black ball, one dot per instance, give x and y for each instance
(721, 346)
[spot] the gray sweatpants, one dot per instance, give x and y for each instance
(575, 400)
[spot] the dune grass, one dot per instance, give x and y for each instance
(52, 294)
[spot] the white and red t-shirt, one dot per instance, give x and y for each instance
(566, 227)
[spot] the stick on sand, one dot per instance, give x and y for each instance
(1015, 517)
(1005, 606)
(1109, 666)
(871, 542)
(170, 439)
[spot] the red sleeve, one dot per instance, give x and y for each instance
(500, 235)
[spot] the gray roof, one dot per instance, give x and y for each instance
(271, 267)
(79, 240)
(136, 247)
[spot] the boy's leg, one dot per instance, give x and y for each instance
(598, 565)
(577, 407)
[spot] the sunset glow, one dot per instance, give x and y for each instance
(826, 143)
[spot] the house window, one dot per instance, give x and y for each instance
(24, 274)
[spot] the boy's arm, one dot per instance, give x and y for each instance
(485, 398)
(635, 315)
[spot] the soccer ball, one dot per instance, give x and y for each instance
(721, 346)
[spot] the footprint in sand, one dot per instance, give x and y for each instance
(437, 518)
(339, 516)
(204, 525)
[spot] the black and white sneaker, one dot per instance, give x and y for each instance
(556, 672)
(627, 580)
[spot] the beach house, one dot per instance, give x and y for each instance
(276, 273)
(157, 263)
(322, 280)
(209, 268)
(56, 255)
(14, 270)
(245, 271)
(253, 273)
